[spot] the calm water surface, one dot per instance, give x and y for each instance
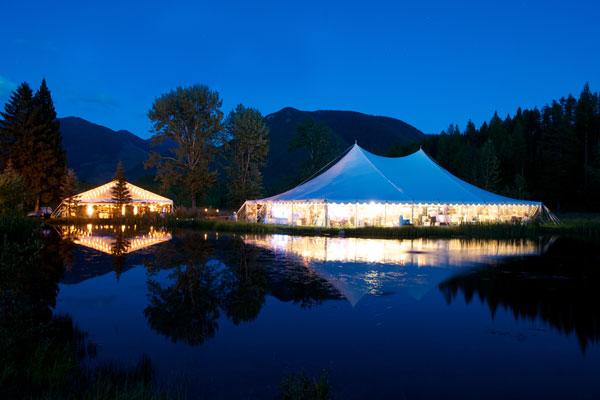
(229, 316)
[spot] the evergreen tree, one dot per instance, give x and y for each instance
(587, 132)
(30, 136)
(552, 155)
(16, 125)
(120, 191)
(490, 167)
(247, 154)
(471, 132)
(49, 163)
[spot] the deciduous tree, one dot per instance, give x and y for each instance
(190, 117)
(318, 141)
(247, 150)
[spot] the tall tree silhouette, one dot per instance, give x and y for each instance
(120, 192)
(30, 138)
(247, 153)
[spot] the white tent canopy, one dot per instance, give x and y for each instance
(363, 189)
(98, 203)
(103, 194)
(360, 176)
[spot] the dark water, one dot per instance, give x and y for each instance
(231, 316)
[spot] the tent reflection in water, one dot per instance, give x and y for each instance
(98, 203)
(363, 189)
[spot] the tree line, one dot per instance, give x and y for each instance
(550, 154)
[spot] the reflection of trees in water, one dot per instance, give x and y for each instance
(245, 284)
(227, 275)
(32, 341)
(290, 280)
(187, 310)
(118, 250)
(562, 287)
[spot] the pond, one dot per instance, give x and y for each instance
(230, 316)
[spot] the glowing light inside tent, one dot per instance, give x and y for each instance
(89, 210)
(280, 211)
(339, 211)
(135, 210)
(123, 210)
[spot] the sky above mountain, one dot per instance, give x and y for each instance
(429, 63)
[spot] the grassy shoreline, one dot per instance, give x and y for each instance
(588, 228)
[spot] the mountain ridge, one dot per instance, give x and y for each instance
(93, 150)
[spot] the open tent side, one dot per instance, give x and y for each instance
(98, 203)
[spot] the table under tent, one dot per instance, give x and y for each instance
(363, 189)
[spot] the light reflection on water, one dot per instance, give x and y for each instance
(358, 266)
(241, 311)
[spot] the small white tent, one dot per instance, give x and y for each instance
(363, 189)
(98, 203)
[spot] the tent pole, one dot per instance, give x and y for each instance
(326, 214)
(356, 215)
(384, 214)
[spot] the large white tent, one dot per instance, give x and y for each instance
(363, 189)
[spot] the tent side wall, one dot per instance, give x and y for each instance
(381, 214)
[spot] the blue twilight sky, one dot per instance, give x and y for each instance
(429, 63)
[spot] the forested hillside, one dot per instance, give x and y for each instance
(550, 154)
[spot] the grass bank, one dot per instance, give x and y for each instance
(588, 227)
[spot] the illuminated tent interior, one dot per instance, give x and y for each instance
(98, 203)
(363, 189)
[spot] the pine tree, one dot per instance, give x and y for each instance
(490, 167)
(16, 125)
(30, 137)
(119, 191)
(49, 162)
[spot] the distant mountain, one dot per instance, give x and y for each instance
(94, 150)
(375, 133)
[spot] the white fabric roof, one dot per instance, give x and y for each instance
(102, 194)
(360, 176)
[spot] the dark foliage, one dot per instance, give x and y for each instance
(558, 287)
(551, 155)
(31, 140)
